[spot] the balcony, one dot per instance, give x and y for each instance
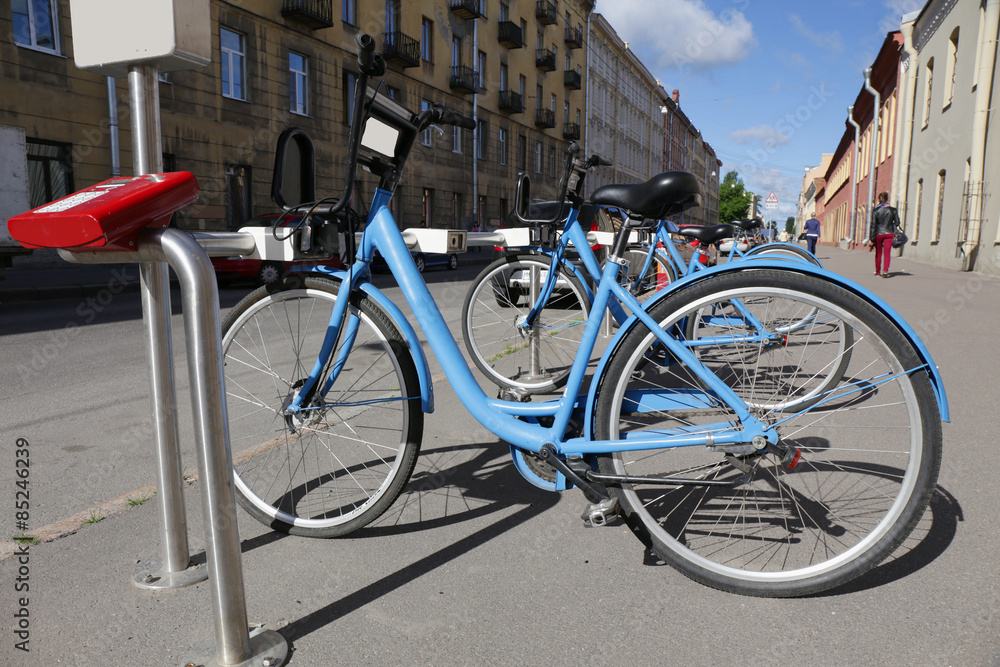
(464, 79)
(511, 101)
(469, 9)
(545, 12)
(545, 118)
(314, 14)
(545, 59)
(510, 35)
(574, 37)
(572, 79)
(571, 131)
(401, 49)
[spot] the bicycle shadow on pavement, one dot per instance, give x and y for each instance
(484, 485)
(931, 537)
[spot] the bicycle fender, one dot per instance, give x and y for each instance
(937, 383)
(402, 324)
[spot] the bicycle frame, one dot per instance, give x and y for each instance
(503, 417)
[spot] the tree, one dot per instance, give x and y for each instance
(790, 225)
(734, 200)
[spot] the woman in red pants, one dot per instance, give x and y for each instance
(885, 222)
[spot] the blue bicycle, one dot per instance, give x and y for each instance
(327, 386)
(524, 314)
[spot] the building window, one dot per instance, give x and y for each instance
(456, 139)
(481, 72)
(928, 82)
(50, 172)
(552, 161)
(233, 64)
(504, 10)
(938, 207)
(298, 82)
(425, 136)
(504, 74)
(502, 146)
(538, 157)
(427, 208)
(522, 152)
(392, 17)
(238, 196)
(394, 93)
(951, 67)
(36, 24)
(350, 83)
(349, 11)
(522, 85)
(552, 104)
(456, 51)
(482, 133)
(427, 40)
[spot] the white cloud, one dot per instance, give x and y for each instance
(830, 40)
(682, 33)
(763, 134)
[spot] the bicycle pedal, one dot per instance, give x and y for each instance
(599, 514)
(514, 395)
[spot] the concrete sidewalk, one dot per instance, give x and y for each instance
(473, 566)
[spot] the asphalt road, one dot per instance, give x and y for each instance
(472, 565)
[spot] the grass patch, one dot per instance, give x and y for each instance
(24, 538)
(94, 518)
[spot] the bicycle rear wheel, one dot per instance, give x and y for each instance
(783, 251)
(870, 449)
(533, 357)
(341, 462)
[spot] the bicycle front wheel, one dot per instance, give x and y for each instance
(532, 356)
(659, 274)
(761, 522)
(342, 461)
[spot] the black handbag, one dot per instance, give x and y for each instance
(899, 239)
(802, 236)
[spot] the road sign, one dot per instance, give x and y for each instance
(771, 201)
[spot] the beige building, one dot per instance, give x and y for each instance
(520, 68)
(516, 66)
(949, 155)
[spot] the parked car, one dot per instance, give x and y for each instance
(263, 272)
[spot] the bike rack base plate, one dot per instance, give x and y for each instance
(267, 649)
(149, 574)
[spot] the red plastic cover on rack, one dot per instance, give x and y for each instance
(107, 216)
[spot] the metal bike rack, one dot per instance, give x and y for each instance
(115, 38)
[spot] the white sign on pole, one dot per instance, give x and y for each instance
(110, 35)
(771, 201)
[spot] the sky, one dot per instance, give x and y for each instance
(767, 82)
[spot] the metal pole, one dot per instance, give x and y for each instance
(172, 568)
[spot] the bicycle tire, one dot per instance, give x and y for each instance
(659, 275)
(871, 453)
(784, 250)
(534, 359)
(332, 468)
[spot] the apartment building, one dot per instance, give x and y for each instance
(521, 68)
(516, 66)
(633, 122)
